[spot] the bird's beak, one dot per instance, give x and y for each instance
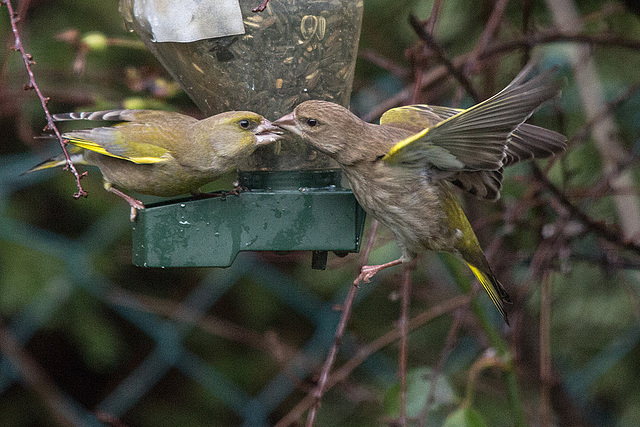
(289, 123)
(266, 133)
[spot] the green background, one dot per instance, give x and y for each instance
(83, 331)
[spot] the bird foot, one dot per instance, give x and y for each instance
(368, 271)
(222, 193)
(134, 203)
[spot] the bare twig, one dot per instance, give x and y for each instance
(488, 360)
(489, 30)
(109, 419)
(373, 235)
(598, 228)
(345, 370)
(545, 351)
(28, 62)
(436, 74)
(442, 56)
(337, 341)
(280, 351)
(419, 71)
(403, 330)
(452, 336)
(608, 109)
(382, 62)
(534, 39)
(328, 363)
(433, 18)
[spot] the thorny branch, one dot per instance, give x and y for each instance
(28, 62)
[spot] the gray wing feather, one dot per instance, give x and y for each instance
(528, 142)
(107, 137)
(477, 137)
(106, 115)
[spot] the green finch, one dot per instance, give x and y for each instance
(162, 153)
(402, 170)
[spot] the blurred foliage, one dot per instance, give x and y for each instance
(167, 347)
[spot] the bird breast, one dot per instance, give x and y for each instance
(405, 201)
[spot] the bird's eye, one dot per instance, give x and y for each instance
(312, 122)
(244, 123)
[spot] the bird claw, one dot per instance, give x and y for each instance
(135, 205)
(133, 214)
(366, 273)
(221, 194)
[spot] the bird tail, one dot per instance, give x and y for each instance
(75, 154)
(494, 288)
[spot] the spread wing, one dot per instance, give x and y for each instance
(476, 138)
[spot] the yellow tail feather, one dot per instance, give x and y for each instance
(495, 290)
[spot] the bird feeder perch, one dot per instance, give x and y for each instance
(226, 57)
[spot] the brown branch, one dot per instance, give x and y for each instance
(180, 312)
(403, 330)
(546, 376)
(598, 228)
(436, 74)
(489, 30)
(431, 28)
(109, 419)
(319, 390)
(490, 359)
(440, 53)
(607, 262)
(431, 22)
(449, 345)
(384, 63)
(379, 343)
(28, 62)
(531, 40)
(608, 109)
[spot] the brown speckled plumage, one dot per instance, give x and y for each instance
(401, 171)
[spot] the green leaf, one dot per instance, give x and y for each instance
(465, 417)
(418, 389)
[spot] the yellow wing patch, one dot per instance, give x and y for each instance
(92, 146)
(400, 145)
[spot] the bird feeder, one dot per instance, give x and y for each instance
(227, 57)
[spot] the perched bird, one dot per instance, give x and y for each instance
(401, 171)
(162, 153)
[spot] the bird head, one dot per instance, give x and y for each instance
(328, 127)
(234, 133)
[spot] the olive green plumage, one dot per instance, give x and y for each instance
(401, 170)
(163, 153)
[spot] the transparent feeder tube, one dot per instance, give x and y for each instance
(294, 51)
